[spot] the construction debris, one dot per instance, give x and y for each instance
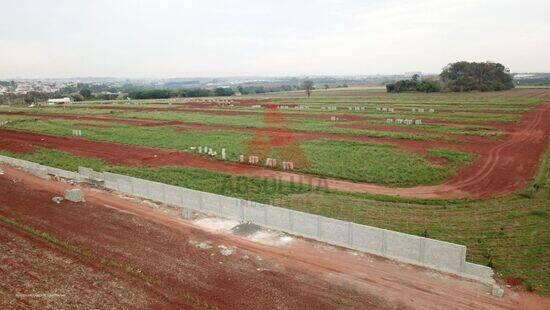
(74, 195)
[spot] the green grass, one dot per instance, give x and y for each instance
(59, 160)
(378, 164)
(245, 121)
(60, 110)
(455, 158)
(156, 137)
(257, 121)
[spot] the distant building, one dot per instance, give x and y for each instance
(59, 101)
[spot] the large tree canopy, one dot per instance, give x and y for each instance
(482, 76)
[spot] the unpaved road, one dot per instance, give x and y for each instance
(121, 253)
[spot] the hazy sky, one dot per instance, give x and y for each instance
(188, 38)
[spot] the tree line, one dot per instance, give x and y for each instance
(460, 77)
(186, 92)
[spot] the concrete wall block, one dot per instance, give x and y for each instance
(156, 191)
(368, 239)
(111, 180)
(87, 172)
(305, 224)
(334, 231)
(402, 246)
(479, 272)
(90, 173)
(172, 195)
(211, 203)
(62, 173)
(9, 160)
(255, 213)
(231, 207)
(444, 255)
(39, 171)
(4, 159)
(139, 187)
(124, 184)
(191, 199)
(278, 218)
(98, 175)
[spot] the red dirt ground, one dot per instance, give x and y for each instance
(502, 166)
(282, 140)
(121, 253)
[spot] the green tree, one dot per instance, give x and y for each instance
(307, 85)
(29, 99)
(86, 93)
(223, 91)
(77, 97)
(482, 76)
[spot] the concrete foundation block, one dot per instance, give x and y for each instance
(75, 195)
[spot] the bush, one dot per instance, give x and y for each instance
(427, 86)
(151, 94)
(77, 97)
(195, 92)
(223, 91)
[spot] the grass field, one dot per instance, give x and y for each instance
(509, 233)
(330, 158)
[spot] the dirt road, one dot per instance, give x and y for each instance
(120, 252)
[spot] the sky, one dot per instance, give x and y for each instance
(209, 38)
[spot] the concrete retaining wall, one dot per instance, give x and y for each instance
(435, 254)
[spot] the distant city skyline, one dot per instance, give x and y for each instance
(146, 39)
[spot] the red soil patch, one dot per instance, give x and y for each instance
(283, 140)
(513, 281)
(510, 162)
(169, 271)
